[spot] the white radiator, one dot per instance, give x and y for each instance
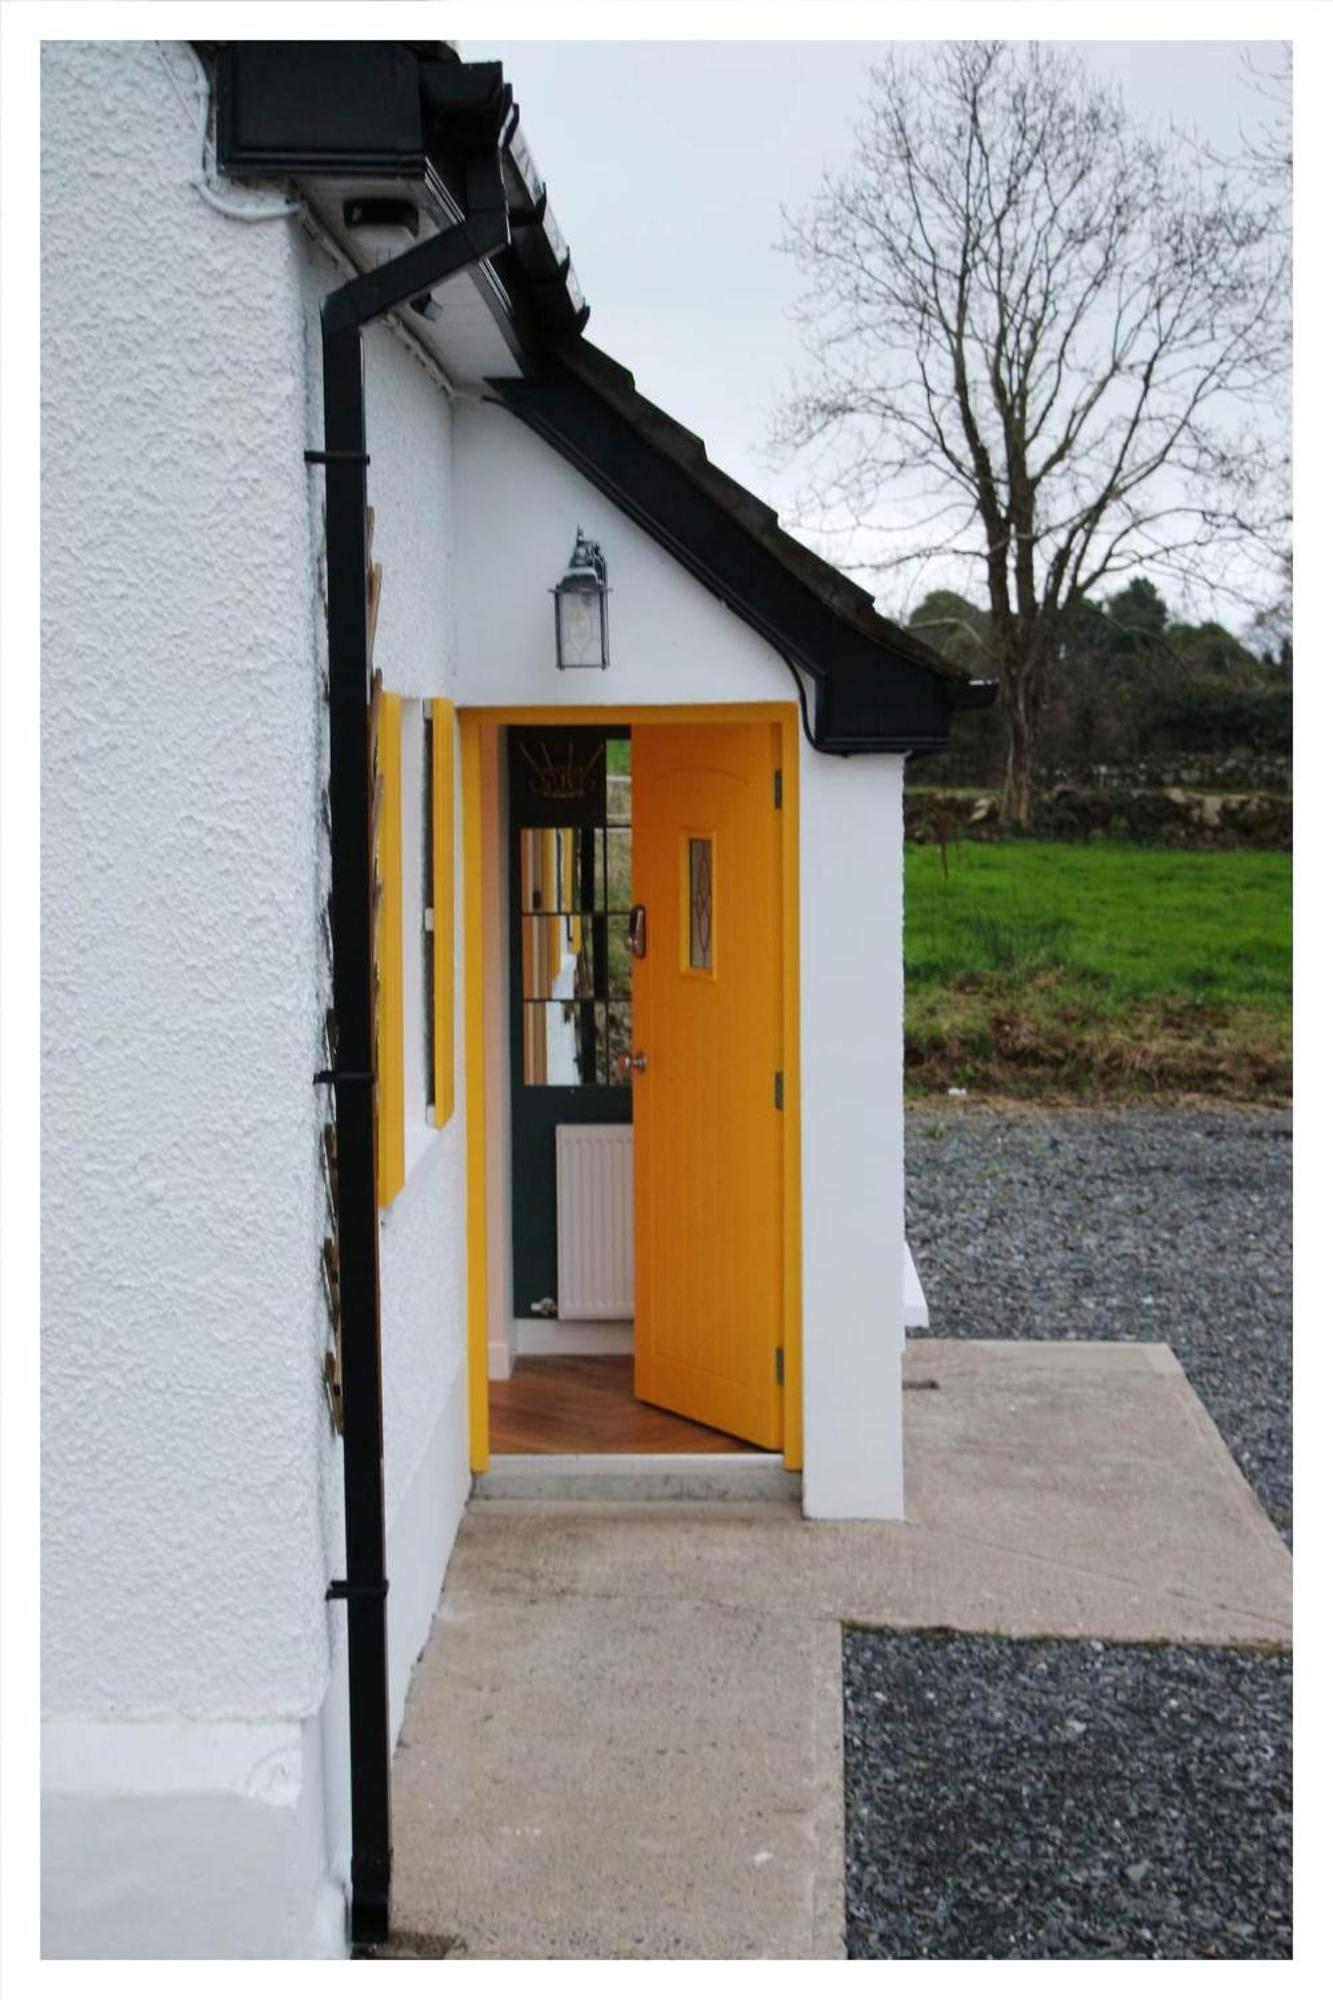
(594, 1203)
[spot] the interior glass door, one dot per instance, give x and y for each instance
(570, 834)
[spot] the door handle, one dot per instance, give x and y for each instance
(638, 1061)
(636, 933)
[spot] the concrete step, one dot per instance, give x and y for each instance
(630, 1476)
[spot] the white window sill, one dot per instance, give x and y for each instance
(418, 1143)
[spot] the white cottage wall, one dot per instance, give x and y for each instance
(852, 1217)
(673, 642)
(186, 1455)
(194, 1736)
(180, 970)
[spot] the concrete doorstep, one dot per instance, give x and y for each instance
(624, 1739)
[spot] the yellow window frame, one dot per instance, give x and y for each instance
(442, 902)
(390, 1156)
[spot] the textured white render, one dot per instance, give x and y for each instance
(672, 641)
(195, 1717)
(183, 1431)
(852, 1134)
(519, 505)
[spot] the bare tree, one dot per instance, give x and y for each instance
(1266, 148)
(1042, 337)
(1264, 158)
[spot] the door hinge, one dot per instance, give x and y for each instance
(779, 1090)
(777, 790)
(780, 1366)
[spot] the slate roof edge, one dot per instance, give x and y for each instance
(864, 695)
(615, 384)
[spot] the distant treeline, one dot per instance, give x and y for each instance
(1129, 683)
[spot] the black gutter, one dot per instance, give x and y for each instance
(344, 313)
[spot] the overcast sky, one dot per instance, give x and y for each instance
(668, 164)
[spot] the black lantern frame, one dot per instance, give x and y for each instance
(584, 581)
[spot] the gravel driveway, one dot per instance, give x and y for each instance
(1049, 1798)
(1068, 1799)
(1170, 1225)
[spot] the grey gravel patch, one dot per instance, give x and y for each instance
(1018, 1798)
(1165, 1225)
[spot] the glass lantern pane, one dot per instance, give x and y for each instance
(580, 614)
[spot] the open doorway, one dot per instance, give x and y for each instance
(570, 910)
(641, 917)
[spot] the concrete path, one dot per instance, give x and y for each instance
(624, 1737)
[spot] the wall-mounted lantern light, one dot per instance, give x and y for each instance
(581, 634)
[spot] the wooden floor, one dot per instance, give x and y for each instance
(570, 1403)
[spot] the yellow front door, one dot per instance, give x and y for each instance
(707, 1012)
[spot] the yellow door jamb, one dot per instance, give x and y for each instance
(474, 1062)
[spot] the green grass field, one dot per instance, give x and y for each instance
(1099, 971)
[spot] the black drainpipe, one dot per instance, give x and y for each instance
(484, 231)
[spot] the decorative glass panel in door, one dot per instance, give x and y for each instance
(569, 884)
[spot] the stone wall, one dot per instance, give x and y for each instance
(1237, 769)
(1169, 816)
